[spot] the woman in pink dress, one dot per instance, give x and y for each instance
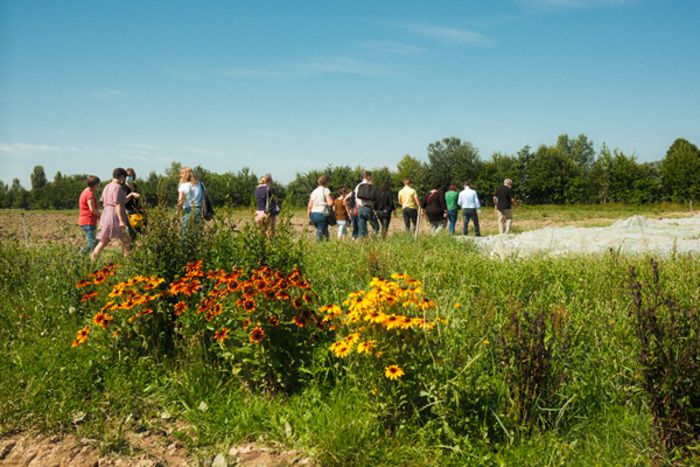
(113, 219)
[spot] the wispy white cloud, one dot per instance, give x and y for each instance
(569, 4)
(143, 147)
(9, 100)
(260, 72)
(16, 148)
(311, 67)
(202, 151)
(344, 65)
(449, 35)
(181, 75)
(392, 47)
(107, 95)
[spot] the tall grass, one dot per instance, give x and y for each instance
(477, 403)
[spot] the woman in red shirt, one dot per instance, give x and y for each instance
(89, 214)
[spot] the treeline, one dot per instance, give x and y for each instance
(570, 171)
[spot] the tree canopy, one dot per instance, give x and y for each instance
(569, 171)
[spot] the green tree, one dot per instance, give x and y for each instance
(300, 188)
(452, 160)
(18, 196)
(243, 187)
(680, 171)
(39, 197)
(549, 176)
(413, 169)
(494, 171)
(4, 189)
(580, 150)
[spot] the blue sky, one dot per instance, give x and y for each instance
(290, 86)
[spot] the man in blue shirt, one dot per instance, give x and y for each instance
(468, 200)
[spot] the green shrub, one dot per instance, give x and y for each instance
(668, 333)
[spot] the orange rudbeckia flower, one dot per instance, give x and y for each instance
(257, 335)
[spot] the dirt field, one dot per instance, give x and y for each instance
(36, 227)
(144, 449)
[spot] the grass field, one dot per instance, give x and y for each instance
(527, 362)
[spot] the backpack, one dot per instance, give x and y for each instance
(367, 193)
(272, 204)
(207, 208)
(351, 201)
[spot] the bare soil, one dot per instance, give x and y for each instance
(37, 227)
(144, 450)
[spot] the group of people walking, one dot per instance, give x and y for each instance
(368, 205)
(353, 211)
(120, 199)
(122, 215)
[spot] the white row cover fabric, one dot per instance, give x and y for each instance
(633, 235)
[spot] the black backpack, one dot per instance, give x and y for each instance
(207, 208)
(351, 200)
(367, 193)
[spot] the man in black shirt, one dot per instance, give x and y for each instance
(503, 201)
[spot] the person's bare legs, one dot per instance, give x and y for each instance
(126, 244)
(501, 222)
(98, 249)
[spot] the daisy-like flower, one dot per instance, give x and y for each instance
(232, 285)
(153, 282)
(99, 278)
(392, 322)
(282, 295)
(353, 338)
(375, 316)
(248, 289)
(88, 296)
(405, 322)
(365, 347)
(299, 320)
(249, 304)
(102, 319)
(180, 307)
(340, 349)
(273, 320)
(129, 303)
(83, 334)
(257, 335)
(117, 290)
(82, 284)
(270, 293)
(393, 372)
(222, 334)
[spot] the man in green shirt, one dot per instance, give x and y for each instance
(452, 208)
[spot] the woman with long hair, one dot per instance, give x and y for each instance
(190, 194)
(266, 206)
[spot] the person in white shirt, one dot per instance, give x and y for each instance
(366, 199)
(320, 203)
(468, 200)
